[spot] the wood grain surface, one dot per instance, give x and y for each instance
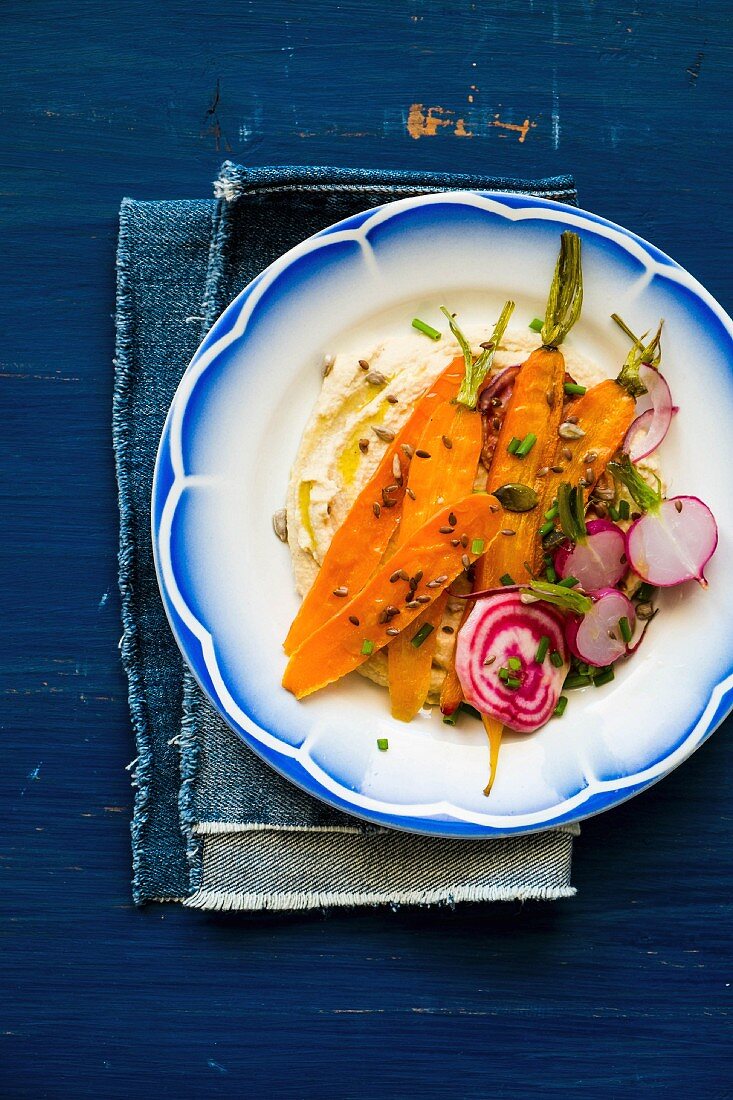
(626, 988)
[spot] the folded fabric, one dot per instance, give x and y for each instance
(214, 827)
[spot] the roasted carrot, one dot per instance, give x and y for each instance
(360, 626)
(527, 444)
(443, 469)
(359, 544)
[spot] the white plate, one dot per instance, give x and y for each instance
(222, 470)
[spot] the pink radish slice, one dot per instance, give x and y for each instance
(673, 543)
(599, 561)
(649, 429)
(596, 638)
(502, 627)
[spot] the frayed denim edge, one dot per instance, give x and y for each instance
(124, 345)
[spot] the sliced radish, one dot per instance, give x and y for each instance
(598, 637)
(650, 428)
(673, 542)
(599, 561)
(501, 629)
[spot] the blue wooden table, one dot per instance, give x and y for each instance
(628, 985)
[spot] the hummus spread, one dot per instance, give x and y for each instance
(340, 447)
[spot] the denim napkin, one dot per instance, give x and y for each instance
(213, 826)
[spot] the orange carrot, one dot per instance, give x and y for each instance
(360, 627)
(442, 469)
(359, 544)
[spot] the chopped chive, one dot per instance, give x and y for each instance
(477, 546)
(583, 668)
(552, 512)
(450, 719)
(422, 634)
(513, 683)
(466, 708)
(504, 673)
(644, 592)
(514, 664)
(422, 326)
(613, 512)
(546, 528)
(382, 744)
(604, 676)
(573, 387)
(556, 659)
(536, 325)
(551, 574)
(543, 646)
(561, 705)
(526, 445)
(367, 647)
(575, 680)
(507, 579)
(625, 628)
(624, 509)
(568, 582)
(514, 445)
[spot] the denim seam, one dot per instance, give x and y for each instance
(303, 899)
(122, 396)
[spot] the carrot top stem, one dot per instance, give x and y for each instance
(478, 368)
(640, 353)
(565, 300)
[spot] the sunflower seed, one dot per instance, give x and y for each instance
(448, 630)
(363, 446)
(446, 530)
(384, 434)
(455, 542)
(447, 442)
(375, 378)
(590, 457)
(328, 361)
(487, 345)
(466, 561)
(280, 524)
(550, 399)
(342, 590)
(452, 519)
(392, 631)
(570, 430)
(678, 505)
(507, 531)
(395, 577)
(557, 469)
(423, 599)
(363, 364)
(406, 450)
(376, 509)
(542, 472)
(412, 604)
(422, 454)
(441, 579)
(353, 619)
(410, 492)
(489, 661)
(393, 399)
(396, 468)
(589, 475)
(567, 454)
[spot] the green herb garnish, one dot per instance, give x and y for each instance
(425, 630)
(624, 509)
(561, 705)
(507, 579)
(542, 647)
(526, 445)
(568, 582)
(477, 546)
(367, 647)
(556, 659)
(574, 388)
(423, 326)
(571, 510)
(575, 680)
(546, 528)
(513, 445)
(514, 664)
(603, 676)
(625, 627)
(536, 325)
(551, 574)
(382, 744)
(513, 683)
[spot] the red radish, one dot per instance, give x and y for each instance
(496, 660)
(674, 540)
(597, 561)
(649, 429)
(602, 635)
(595, 552)
(674, 543)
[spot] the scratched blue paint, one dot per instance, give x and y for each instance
(626, 985)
